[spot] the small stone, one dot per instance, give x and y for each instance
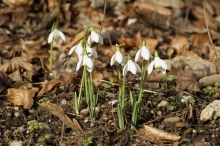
(159, 113)
(84, 112)
(162, 103)
(194, 131)
(16, 108)
(96, 110)
(172, 120)
(63, 101)
(161, 127)
(17, 114)
(86, 120)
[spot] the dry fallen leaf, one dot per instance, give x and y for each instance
(5, 81)
(97, 77)
(185, 78)
(200, 68)
(21, 97)
(49, 85)
(211, 109)
(157, 136)
(18, 3)
(57, 111)
(180, 44)
(209, 80)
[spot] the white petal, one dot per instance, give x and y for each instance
(119, 57)
(125, 70)
(95, 36)
(157, 62)
(150, 67)
(138, 67)
(94, 53)
(163, 64)
(132, 67)
(79, 50)
(50, 38)
(145, 53)
(112, 62)
(100, 39)
(138, 54)
(162, 70)
(62, 35)
(79, 63)
(89, 69)
(88, 61)
(89, 51)
(72, 50)
(89, 40)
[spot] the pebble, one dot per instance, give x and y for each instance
(63, 101)
(162, 103)
(17, 114)
(86, 120)
(84, 112)
(172, 120)
(92, 124)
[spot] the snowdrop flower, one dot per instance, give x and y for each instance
(78, 49)
(132, 67)
(143, 52)
(85, 60)
(157, 63)
(56, 34)
(91, 52)
(94, 37)
(117, 56)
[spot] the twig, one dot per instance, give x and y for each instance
(62, 132)
(187, 11)
(207, 27)
(149, 91)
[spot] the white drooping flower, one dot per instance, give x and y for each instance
(144, 53)
(85, 60)
(56, 34)
(157, 63)
(94, 37)
(132, 67)
(78, 49)
(117, 57)
(91, 52)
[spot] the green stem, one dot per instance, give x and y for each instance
(42, 64)
(81, 86)
(86, 87)
(58, 15)
(123, 94)
(51, 55)
(119, 79)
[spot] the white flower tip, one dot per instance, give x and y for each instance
(50, 38)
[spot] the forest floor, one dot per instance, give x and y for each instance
(181, 107)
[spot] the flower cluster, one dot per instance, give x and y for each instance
(84, 55)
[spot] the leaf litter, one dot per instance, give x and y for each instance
(175, 28)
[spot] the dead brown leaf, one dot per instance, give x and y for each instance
(57, 111)
(97, 77)
(18, 3)
(157, 136)
(180, 44)
(148, 6)
(209, 80)
(21, 97)
(49, 85)
(5, 81)
(185, 78)
(18, 62)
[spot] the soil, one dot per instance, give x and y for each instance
(15, 121)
